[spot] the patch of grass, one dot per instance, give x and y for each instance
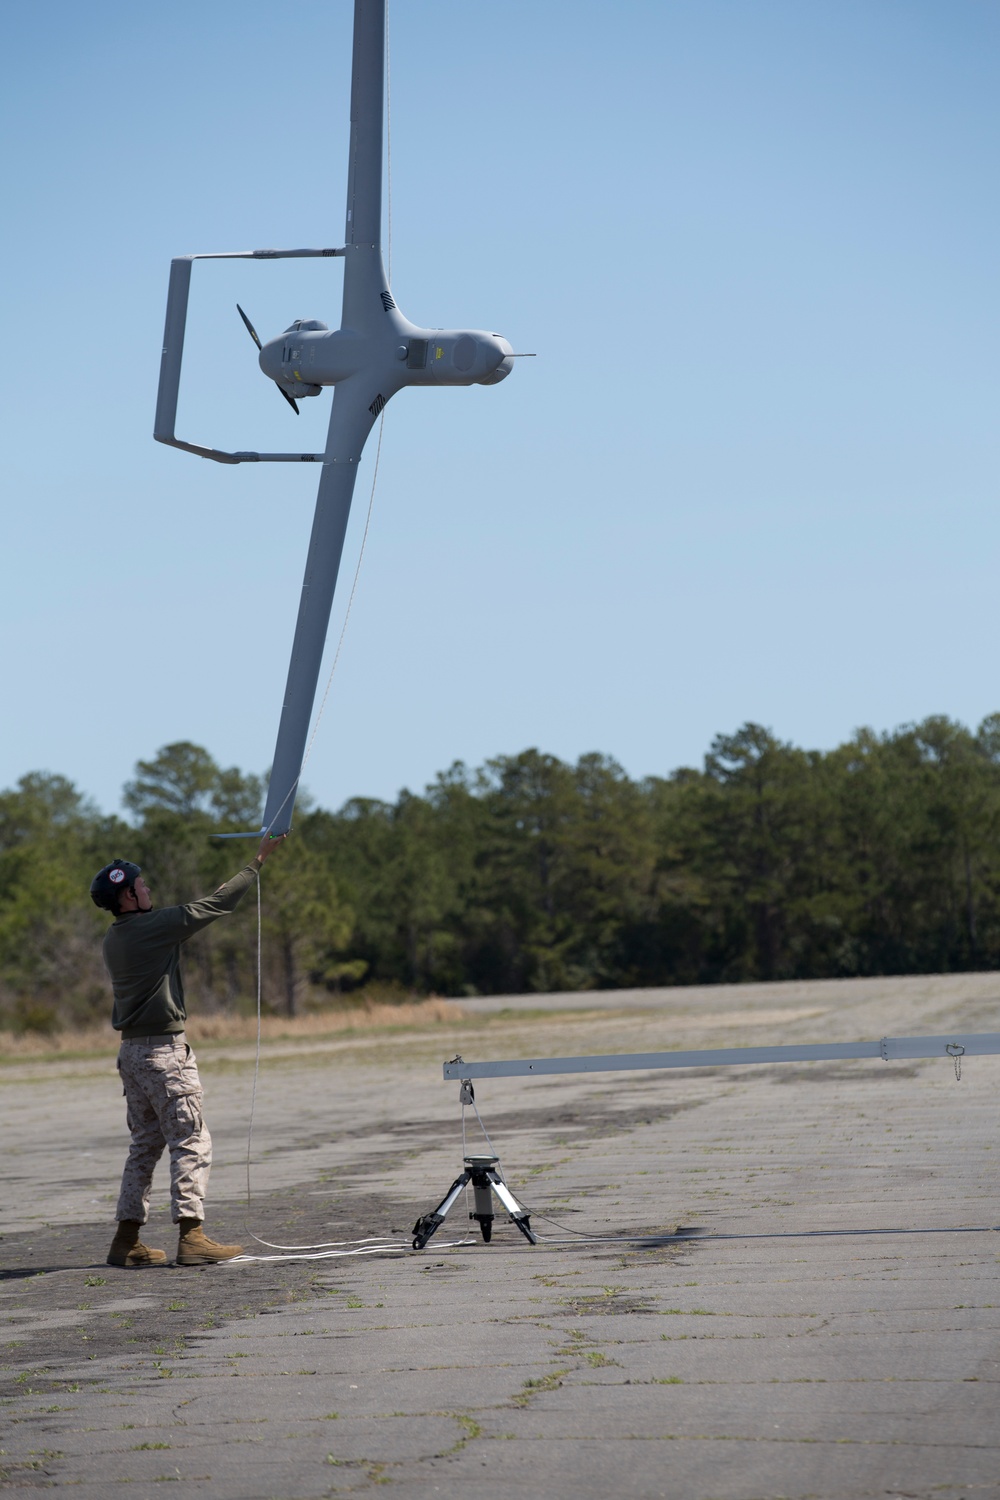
(537, 1387)
(374, 1014)
(95, 1281)
(470, 1430)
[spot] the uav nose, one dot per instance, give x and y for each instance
(501, 362)
(501, 372)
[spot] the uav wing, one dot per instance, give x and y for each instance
(356, 403)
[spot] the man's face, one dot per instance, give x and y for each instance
(137, 899)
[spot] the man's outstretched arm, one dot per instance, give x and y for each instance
(194, 915)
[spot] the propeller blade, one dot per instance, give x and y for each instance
(251, 330)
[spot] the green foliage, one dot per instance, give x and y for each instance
(881, 856)
(305, 924)
(50, 965)
(184, 779)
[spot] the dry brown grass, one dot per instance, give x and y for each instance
(323, 1023)
(218, 1028)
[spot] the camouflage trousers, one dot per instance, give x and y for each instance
(164, 1096)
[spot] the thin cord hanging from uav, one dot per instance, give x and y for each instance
(374, 1244)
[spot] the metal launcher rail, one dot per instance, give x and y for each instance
(888, 1048)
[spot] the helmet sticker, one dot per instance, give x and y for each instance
(117, 876)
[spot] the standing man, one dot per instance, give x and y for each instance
(157, 1067)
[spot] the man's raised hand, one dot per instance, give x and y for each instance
(268, 844)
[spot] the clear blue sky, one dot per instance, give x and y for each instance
(752, 473)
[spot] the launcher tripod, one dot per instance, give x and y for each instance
(485, 1175)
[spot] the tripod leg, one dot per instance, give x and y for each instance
(427, 1223)
(525, 1227)
(510, 1203)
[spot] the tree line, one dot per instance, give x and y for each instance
(530, 874)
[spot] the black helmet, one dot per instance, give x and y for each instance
(119, 875)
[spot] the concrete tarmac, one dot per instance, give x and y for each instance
(827, 1325)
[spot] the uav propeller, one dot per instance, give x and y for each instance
(251, 330)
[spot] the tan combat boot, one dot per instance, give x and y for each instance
(128, 1250)
(194, 1248)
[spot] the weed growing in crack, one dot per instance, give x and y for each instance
(535, 1387)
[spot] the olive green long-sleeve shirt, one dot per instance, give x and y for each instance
(142, 951)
